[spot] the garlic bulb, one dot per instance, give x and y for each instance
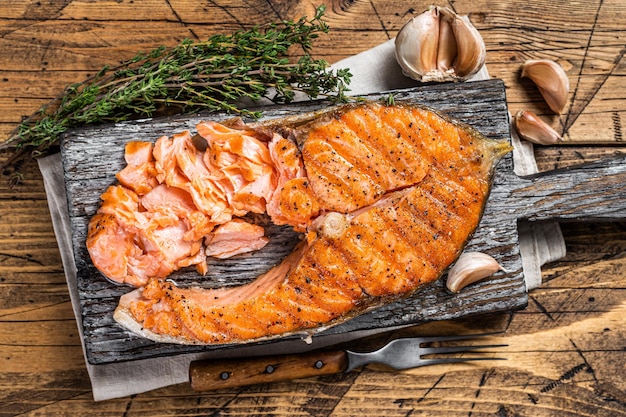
(531, 128)
(439, 45)
(551, 80)
(469, 268)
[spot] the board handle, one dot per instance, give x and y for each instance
(206, 375)
(587, 192)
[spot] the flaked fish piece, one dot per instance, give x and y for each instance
(243, 163)
(140, 172)
(399, 190)
(292, 202)
(234, 238)
(133, 245)
(171, 198)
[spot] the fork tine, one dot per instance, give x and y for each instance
(457, 337)
(436, 361)
(455, 349)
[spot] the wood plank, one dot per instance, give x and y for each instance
(60, 309)
(62, 358)
(584, 193)
(23, 392)
(43, 333)
(81, 10)
(17, 300)
(17, 85)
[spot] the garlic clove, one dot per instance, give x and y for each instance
(447, 48)
(471, 50)
(416, 43)
(533, 129)
(551, 80)
(439, 45)
(469, 268)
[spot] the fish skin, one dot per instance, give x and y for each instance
(399, 231)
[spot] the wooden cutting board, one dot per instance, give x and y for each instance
(92, 156)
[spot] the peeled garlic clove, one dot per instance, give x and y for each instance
(439, 45)
(469, 268)
(531, 128)
(551, 80)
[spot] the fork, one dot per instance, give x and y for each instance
(399, 354)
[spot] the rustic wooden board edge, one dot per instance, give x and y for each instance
(105, 342)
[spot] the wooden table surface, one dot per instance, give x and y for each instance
(567, 349)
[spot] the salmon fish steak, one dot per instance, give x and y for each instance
(385, 196)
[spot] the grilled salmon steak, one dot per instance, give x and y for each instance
(387, 196)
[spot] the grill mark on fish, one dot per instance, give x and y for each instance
(447, 191)
(323, 289)
(384, 242)
(337, 183)
(417, 266)
(375, 258)
(348, 143)
(440, 226)
(299, 303)
(432, 245)
(359, 186)
(389, 157)
(399, 242)
(359, 262)
(411, 171)
(286, 317)
(407, 229)
(379, 182)
(236, 322)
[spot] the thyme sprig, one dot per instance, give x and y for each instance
(211, 75)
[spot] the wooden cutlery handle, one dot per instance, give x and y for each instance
(208, 375)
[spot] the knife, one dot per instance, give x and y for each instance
(404, 353)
